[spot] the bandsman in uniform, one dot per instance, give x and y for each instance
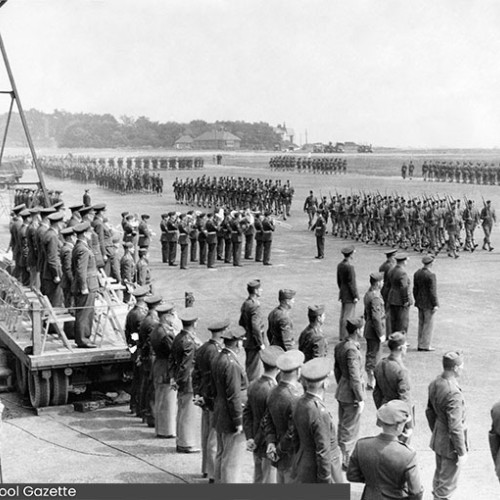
(182, 357)
(204, 394)
(312, 340)
(348, 291)
(252, 321)
(280, 404)
(388, 467)
(253, 415)
(446, 417)
(162, 338)
(230, 388)
(374, 331)
(280, 326)
(350, 392)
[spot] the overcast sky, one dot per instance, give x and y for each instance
(387, 72)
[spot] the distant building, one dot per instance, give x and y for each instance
(184, 142)
(286, 134)
(217, 139)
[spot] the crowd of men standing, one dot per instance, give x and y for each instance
(467, 172)
(316, 165)
(237, 193)
(423, 223)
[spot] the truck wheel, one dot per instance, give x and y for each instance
(21, 378)
(39, 389)
(60, 385)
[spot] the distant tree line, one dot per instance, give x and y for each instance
(86, 130)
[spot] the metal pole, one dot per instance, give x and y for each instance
(7, 127)
(23, 120)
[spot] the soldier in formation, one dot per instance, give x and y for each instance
(235, 193)
(430, 224)
(318, 165)
(466, 171)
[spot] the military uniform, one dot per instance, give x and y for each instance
(399, 296)
(446, 417)
(348, 291)
(230, 386)
(267, 239)
(494, 437)
(350, 391)
(312, 342)
(182, 357)
(280, 330)
(374, 328)
(165, 409)
(319, 228)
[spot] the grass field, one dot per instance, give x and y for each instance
(468, 289)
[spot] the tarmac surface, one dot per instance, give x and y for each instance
(109, 445)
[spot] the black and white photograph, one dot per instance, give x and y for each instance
(250, 243)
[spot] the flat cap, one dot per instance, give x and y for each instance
(353, 324)
(58, 205)
(377, 276)
(86, 210)
(165, 308)
(82, 227)
(217, 326)
(316, 310)
(348, 250)
(99, 206)
(56, 217)
(286, 293)
(316, 369)
(188, 315)
(270, 354)
(394, 412)
(427, 259)
(234, 333)
(401, 256)
(67, 231)
(452, 359)
(76, 208)
(290, 360)
(153, 300)
(19, 208)
(253, 285)
(396, 339)
(390, 252)
(140, 291)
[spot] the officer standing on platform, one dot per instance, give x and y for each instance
(253, 414)
(162, 338)
(387, 467)
(318, 457)
(85, 284)
(425, 294)
(52, 270)
(446, 417)
(312, 341)
(252, 321)
(65, 255)
(350, 392)
(204, 394)
(280, 329)
(280, 404)
(182, 357)
(348, 291)
(230, 387)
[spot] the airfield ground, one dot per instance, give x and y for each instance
(468, 319)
